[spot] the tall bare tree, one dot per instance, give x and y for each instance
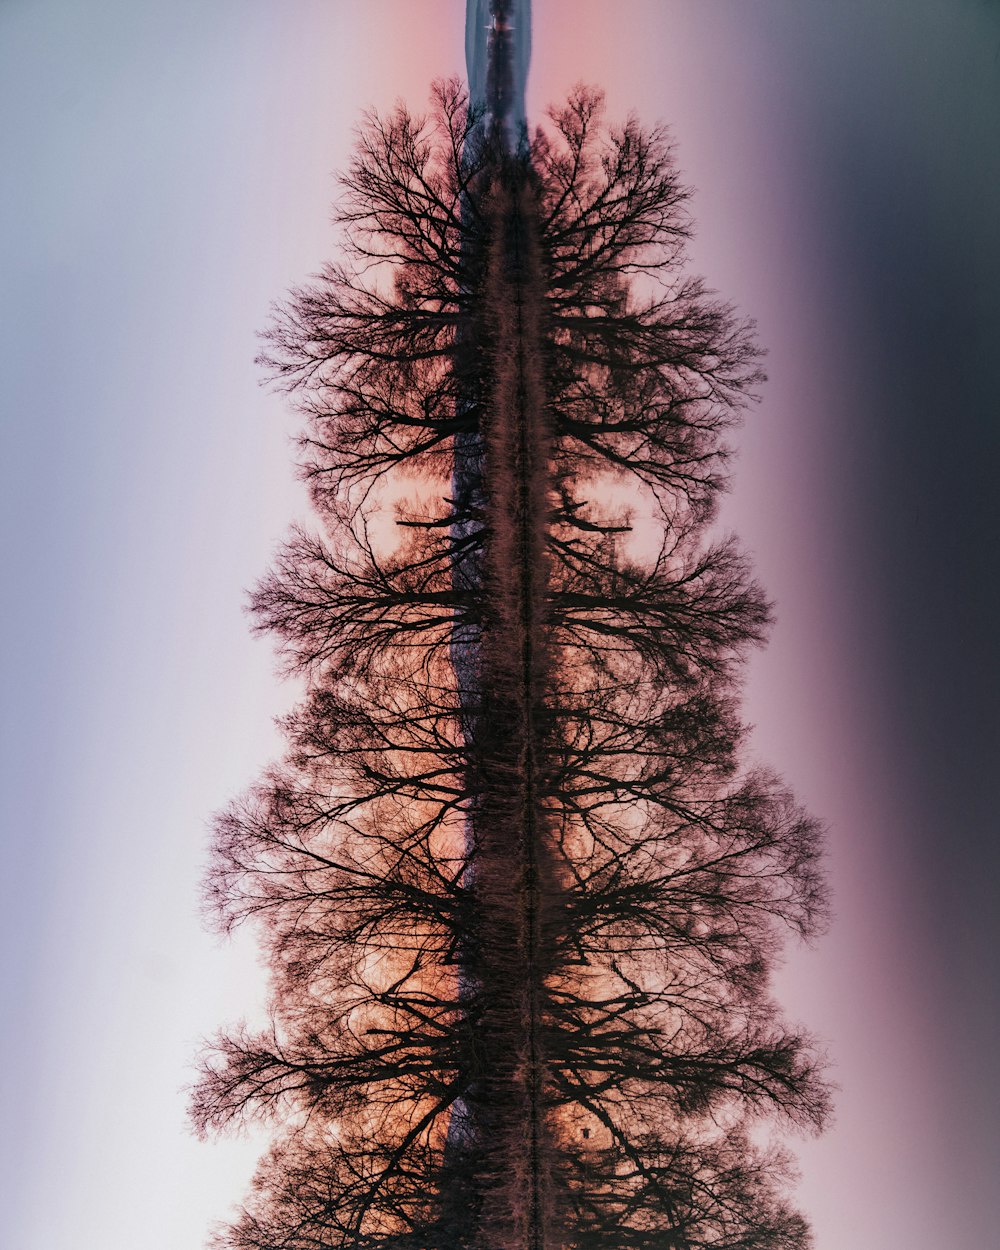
(520, 899)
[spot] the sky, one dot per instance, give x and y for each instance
(169, 172)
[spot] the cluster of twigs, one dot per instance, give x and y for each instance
(518, 893)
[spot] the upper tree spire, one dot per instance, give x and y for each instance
(497, 55)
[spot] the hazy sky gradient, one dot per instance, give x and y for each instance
(168, 172)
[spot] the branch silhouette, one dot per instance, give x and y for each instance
(518, 891)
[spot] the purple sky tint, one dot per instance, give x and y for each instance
(168, 173)
(848, 178)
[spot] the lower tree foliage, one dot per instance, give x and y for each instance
(519, 893)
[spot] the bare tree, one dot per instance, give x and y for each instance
(520, 910)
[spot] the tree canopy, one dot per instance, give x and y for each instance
(518, 890)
